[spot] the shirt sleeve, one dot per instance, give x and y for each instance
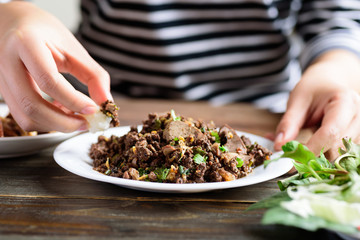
(326, 25)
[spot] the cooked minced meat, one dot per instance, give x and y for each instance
(10, 128)
(111, 110)
(175, 149)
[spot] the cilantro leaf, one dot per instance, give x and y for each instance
(162, 173)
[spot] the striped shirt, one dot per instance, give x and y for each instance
(219, 50)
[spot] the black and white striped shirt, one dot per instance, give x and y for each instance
(220, 50)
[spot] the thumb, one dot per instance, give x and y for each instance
(292, 120)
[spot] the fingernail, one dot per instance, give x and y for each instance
(279, 137)
(83, 127)
(88, 110)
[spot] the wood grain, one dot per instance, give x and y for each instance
(40, 200)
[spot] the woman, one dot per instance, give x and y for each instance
(221, 50)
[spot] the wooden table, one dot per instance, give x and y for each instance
(40, 200)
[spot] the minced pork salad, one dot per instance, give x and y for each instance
(175, 149)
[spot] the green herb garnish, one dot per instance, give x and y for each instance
(199, 150)
(157, 124)
(174, 117)
(162, 173)
(223, 149)
(183, 170)
(216, 135)
(240, 162)
(198, 159)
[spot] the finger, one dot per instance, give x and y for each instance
(270, 136)
(27, 106)
(338, 114)
(352, 132)
(41, 65)
(81, 65)
(292, 120)
(60, 106)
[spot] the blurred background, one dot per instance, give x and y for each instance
(68, 11)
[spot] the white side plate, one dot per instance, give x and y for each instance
(26, 145)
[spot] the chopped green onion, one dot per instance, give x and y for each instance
(157, 124)
(216, 135)
(199, 150)
(198, 159)
(174, 117)
(240, 162)
(223, 149)
(108, 172)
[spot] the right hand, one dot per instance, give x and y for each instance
(34, 48)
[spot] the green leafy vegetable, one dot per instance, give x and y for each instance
(272, 201)
(321, 194)
(279, 215)
(350, 158)
(198, 159)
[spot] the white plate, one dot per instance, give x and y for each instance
(73, 155)
(26, 145)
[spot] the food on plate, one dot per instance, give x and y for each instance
(9, 128)
(105, 117)
(175, 149)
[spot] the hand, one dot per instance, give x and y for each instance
(327, 97)
(34, 48)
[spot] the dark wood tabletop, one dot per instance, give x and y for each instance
(41, 200)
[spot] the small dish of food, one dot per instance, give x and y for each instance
(170, 153)
(15, 142)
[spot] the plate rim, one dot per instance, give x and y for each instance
(39, 136)
(155, 186)
(37, 143)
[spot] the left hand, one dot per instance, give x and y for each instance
(327, 97)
